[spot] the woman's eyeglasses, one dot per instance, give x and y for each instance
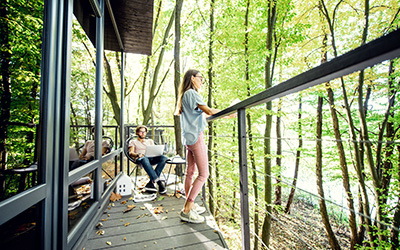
(201, 78)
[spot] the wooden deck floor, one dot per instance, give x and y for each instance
(144, 228)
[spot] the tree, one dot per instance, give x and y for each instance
(5, 94)
(155, 87)
(318, 170)
(210, 98)
(271, 9)
(177, 74)
(21, 25)
(278, 187)
(298, 155)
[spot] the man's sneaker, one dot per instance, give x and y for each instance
(161, 187)
(150, 187)
(144, 198)
(199, 209)
(192, 217)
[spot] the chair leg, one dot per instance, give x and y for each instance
(169, 171)
(136, 174)
(134, 171)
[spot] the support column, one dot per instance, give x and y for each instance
(99, 99)
(122, 120)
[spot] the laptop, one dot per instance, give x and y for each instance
(154, 150)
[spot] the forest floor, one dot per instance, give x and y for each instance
(302, 229)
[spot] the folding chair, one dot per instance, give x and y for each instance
(137, 165)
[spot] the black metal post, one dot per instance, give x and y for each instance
(116, 147)
(99, 99)
(244, 188)
(122, 120)
(64, 121)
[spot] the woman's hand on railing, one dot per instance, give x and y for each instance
(234, 115)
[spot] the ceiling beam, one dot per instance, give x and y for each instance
(95, 7)
(114, 23)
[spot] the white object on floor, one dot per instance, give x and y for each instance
(144, 197)
(124, 185)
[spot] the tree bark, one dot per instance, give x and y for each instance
(256, 219)
(177, 75)
(394, 233)
(344, 168)
(5, 95)
(297, 164)
(375, 171)
(266, 231)
(318, 171)
(111, 93)
(210, 104)
(342, 157)
(154, 84)
(278, 187)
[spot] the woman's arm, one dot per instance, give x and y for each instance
(210, 111)
(207, 110)
(82, 155)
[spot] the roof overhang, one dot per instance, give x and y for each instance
(128, 24)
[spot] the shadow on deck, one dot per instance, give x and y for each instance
(153, 225)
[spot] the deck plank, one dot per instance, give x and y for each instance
(142, 228)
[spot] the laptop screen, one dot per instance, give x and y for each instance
(154, 150)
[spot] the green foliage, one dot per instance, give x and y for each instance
(25, 39)
(297, 47)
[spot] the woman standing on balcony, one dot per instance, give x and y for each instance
(190, 107)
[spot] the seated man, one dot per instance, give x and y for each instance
(137, 149)
(88, 152)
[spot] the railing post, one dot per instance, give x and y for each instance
(244, 187)
(122, 119)
(98, 185)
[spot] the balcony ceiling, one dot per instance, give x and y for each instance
(133, 22)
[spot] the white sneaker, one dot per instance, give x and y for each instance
(144, 198)
(199, 209)
(192, 216)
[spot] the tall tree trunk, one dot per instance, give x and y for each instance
(74, 121)
(254, 179)
(297, 164)
(155, 87)
(111, 93)
(278, 187)
(318, 170)
(217, 193)
(362, 219)
(388, 164)
(375, 170)
(394, 233)
(146, 70)
(234, 200)
(342, 157)
(210, 104)
(177, 74)
(5, 94)
(344, 168)
(390, 135)
(256, 219)
(266, 231)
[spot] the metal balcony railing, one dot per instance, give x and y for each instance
(368, 55)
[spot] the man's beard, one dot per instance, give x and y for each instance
(141, 137)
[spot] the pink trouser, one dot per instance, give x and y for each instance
(196, 156)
